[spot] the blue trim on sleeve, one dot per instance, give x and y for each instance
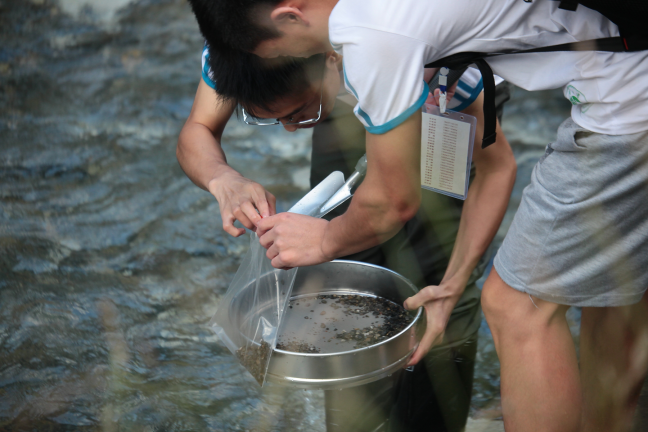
(465, 103)
(205, 73)
(208, 80)
(357, 110)
(391, 124)
(364, 115)
(346, 80)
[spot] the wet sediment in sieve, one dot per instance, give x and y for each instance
(330, 323)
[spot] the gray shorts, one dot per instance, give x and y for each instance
(580, 235)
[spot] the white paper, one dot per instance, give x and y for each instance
(445, 144)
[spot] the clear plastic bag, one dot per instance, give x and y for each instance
(248, 316)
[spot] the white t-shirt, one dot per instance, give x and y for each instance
(386, 43)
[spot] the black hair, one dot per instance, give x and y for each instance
(237, 24)
(253, 82)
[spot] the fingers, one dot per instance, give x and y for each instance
(259, 202)
(250, 214)
(414, 302)
(437, 96)
(263, 208)
(430, 99)
(435, 327)
(275, 258)
(266, 224)
(416, 357)
(433, 332)
(228, 224)
(420, 298)
(232, 230)
(267, 240)
(278, 263)
(247, 214)
(243, 200)
(272, 204)
(256, 204)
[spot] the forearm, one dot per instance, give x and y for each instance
(200, 155)
(481, 217)
(367, 223)
(483, 210)
(199, 149)
(388, 197)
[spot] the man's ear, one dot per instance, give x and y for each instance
(288, 15)
(334, 60)
(333, 56)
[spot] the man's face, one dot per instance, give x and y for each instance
(305, 106)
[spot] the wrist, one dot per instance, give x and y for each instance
(328, 247)
(219, 177)
(457, 282)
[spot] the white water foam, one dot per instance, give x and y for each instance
(103, 11)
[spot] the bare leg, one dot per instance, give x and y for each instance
(540, 382)
(614, 359)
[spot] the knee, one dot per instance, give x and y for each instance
(494, 300)
(505, 318)
(514, 312)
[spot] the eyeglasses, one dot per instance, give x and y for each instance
(255, 121)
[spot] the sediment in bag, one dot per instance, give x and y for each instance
(255, 359)
(249, 314)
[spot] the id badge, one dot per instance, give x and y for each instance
(446, 151)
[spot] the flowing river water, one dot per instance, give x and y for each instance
(111, 260)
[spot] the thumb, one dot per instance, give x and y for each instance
(420, 298)
(417, 300)
(263, 225)
(437, 96)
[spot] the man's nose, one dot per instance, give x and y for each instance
(290, 128)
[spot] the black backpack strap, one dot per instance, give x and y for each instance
(490, 117)
(569, 5)
(628, 15)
